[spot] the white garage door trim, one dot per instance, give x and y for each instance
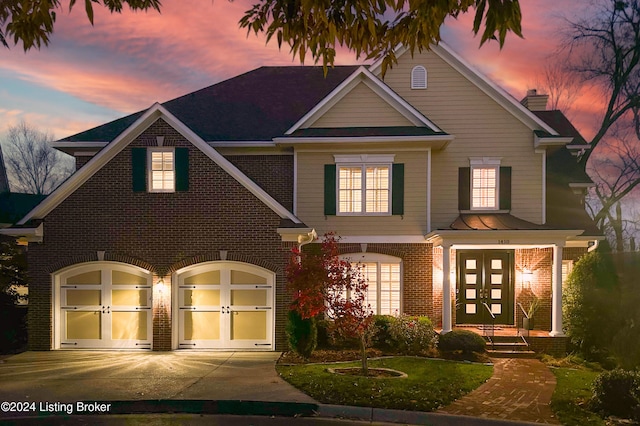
(225, 293)
(95, 303)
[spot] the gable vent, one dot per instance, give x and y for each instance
(419, 77)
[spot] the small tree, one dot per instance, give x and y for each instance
(13, 274)
(33, 163)
(323, 283)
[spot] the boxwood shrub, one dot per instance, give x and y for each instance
(461, 340)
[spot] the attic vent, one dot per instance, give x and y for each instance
(419, 77)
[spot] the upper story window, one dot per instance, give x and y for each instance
(419, 77)
(161, 170)
(364, 188)
(365, 184)
(484, 186)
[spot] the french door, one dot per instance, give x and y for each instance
(104, 305)
(226, 305)
(485, 284)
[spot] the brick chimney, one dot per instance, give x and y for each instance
(535, 102)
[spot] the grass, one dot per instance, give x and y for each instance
(572, 393)
(430, 383)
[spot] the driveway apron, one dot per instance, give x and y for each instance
(68, 376)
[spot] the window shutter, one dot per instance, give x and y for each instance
(397, 191)
(329, 189)
(505, 188)
(182, 169)
(464, 188)
(139, 169)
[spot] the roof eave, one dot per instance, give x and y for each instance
(544, 142)
(436, 142)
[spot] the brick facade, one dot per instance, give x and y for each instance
(158, 230)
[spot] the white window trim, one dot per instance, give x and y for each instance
(363, 161)
(414, 83)
(150, 151)
(360, 258)
(485, 163)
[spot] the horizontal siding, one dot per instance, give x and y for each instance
(481, 128)
(361, 108)
(310, 199)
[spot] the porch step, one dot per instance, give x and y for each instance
(508, 347)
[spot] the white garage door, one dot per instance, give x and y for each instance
(225, 305)
(103, 305)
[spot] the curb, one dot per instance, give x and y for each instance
(266, 408)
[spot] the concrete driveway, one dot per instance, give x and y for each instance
(68, 376)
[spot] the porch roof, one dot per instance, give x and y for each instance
(493, 222)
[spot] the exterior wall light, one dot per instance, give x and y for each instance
(527, 277)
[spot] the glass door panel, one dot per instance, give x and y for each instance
(250, 326)
(129, 325)
(81, 325)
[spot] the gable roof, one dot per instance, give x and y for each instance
(491, 89)
(14, 205)
(154, 113)
(256, 106)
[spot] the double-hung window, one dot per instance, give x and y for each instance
(162, 170)
(484, 188)
(364, 184)
(485, 185)
(382, 273)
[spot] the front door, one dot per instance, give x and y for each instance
(226, 305)
(485, 280)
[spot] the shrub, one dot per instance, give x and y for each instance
(617, 393)
(461, 340)
(412, 334)
(382, 338)
(590, 305)
(302, 334)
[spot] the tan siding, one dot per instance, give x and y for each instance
(481, 128)
(361, 108)
(311, 199)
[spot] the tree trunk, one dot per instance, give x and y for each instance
(363, 353)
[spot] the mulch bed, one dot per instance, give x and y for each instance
(322, 356)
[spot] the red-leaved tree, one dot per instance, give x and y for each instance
(323, 283)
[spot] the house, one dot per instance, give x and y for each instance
(461, 202)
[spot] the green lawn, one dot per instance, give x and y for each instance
(570, 398)
(431, 383)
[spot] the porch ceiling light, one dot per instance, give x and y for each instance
(160, 285)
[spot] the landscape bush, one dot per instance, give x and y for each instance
(617, 393)
(302, 334)
(461, 340)
(412, 335)
(590, 306)
(382, 338)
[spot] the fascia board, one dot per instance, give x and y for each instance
(95, 164)
(365, 76)
(553, 141)
(31, 234)
(80, 144)
(155, 112)
(494, 91)
(515, 237)
(435, 142)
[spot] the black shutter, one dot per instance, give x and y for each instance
(397, 191)
(182, 169)
(464, 188)
(139, 169)
(505, 188)
(329, 189)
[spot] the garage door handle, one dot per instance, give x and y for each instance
(263, 286)
(263, 307)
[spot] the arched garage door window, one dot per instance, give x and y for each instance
(103, 305)
(384, 277)
(225, 305)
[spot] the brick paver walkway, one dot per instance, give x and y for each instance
(520, 389)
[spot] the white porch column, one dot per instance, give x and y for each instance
(446, 289)
(556, 292)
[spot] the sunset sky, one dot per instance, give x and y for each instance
(90, 75)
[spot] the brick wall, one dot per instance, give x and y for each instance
(539, 262)
(160, 230)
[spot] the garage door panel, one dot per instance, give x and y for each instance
(249, 325)
(209, 277)
(201, 325)
(243, 277)
(129, 325)
(125, 278)
(83, 325)
(130, 297)
(201, 297)
(83, 297)
(249, 298)
(87, 278)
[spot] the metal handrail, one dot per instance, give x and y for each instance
(518, 324)
(493, 324)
